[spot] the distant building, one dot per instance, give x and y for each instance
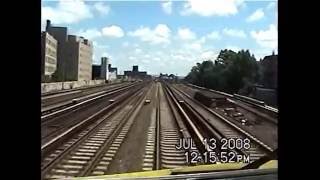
(113, 72)
(60, 34)
(99, 71)
(48, 56)
(269, 67)
(96, 71)
(79, 58)
(74, 55)
(135, 68)
(135, 74)
(120, 76)
(104, 68)
(166, 76)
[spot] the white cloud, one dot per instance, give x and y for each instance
(98, 45)
(177, 57)
(159, 53)
(113, 31)
(255, 16)
(162, 64)
(206, 55)
(132, 58)
(137, 50)
(160, 34)
(195, 46)
(66, 12)
(102, 8)
(186, 34)
(167, 7)
(202, 40)
(103, 46)
(211, 7)
(233, 48)
(261, 53)
(234, 33)
(243, 6)
(146, 61)
(89, 33)
(271, 5)
(125, 44)
(266, 38)
(95, 43)
(105, 54)
(156, 59)
(147, 56)
(95, 61)
(213, 35)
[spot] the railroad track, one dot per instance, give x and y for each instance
(92, 150)
(220, 127)
(260, 124)
(84, 121)
(58, 124)
(163, 135)
(70, 104)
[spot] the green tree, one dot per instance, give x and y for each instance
(231, 72)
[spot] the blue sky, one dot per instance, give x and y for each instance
(167, 36)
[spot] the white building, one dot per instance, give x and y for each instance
(49, 54)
